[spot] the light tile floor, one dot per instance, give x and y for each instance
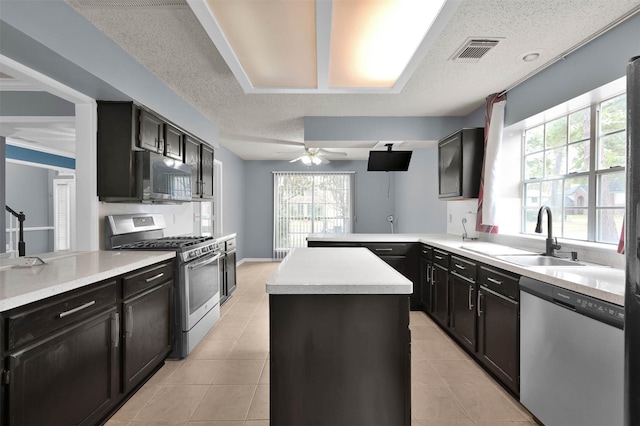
(225, 381)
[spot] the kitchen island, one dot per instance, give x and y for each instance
(339, 340)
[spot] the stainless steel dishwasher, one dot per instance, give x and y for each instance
(571, 356)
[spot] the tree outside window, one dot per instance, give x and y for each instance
(570, 169)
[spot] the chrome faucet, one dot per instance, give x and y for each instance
(552, 243)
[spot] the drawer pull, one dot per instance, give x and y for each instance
(155, 277)
(460, 266)
(492, 280)
(384, 249)
(439, 257)
(77, 309)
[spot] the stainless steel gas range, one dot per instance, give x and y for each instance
(197, 292)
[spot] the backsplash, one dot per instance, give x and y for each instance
(179, 218)
(459, 210)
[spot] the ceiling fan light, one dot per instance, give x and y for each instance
(316, 160)
(306, 160)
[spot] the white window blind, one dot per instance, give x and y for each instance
(62, 214)
(310, 202)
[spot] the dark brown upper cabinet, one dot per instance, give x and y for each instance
(192, 158)
(151, 135)
(200, 157)
(207, 156)
(460, 157)
(173, 145)
(124, 129)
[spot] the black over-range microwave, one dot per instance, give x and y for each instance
(161, 178)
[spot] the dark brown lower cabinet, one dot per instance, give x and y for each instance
(147, 332)
(340, 360)
(463, 312)
(498, 336)
(71, 359)
(69, 378)
(440, 299)
(426, 295)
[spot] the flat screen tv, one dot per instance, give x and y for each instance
(389, 161)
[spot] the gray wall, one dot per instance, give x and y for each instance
(34, 104)
(234, 199)
(418, 208)
(36, 182)
(375, 199)
(601, 61)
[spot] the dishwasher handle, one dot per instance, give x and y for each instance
(564, 305)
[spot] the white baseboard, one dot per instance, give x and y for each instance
(257, 259)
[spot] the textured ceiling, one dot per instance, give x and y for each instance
(170, 42)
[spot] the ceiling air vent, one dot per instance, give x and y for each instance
(473, 49)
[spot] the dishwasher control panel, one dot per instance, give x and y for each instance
(598, 309)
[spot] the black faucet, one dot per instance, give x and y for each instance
(552, 243)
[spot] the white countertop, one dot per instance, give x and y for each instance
(599, 281)
(68, 271)
(336, 271)
(223, 237)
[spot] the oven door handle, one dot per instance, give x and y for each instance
(204, 262)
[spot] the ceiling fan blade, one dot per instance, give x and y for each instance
(294, 152)
(323, 160)
(334, 153)
(253, 138)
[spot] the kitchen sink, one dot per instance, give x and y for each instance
(538, 260)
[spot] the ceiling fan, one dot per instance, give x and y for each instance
(311, 156)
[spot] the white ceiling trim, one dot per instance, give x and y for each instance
(323, 42)
(213, 29)
(12, 85)
(32, 77)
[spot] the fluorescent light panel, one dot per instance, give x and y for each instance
(373, 40)
(272, 43)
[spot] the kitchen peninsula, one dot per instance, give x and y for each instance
(339, 339)
(81, 332)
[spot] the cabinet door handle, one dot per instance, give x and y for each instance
(77, 309)
(428, 273)
(479, 303)
(492, 280)
(115, 329)
(128, 326)
(439, 257)
(470, 298)
(432, 281)
(460, 266)
(155, 277)
(384, 249)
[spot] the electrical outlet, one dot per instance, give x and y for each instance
(175, 219)
(450, 218)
